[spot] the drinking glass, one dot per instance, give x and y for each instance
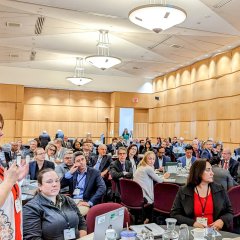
(183, 232)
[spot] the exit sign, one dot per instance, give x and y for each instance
(135, 100)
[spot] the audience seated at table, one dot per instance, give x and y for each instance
(221, 175)
(202, 202)
(49, 215)
(132, 156)
(85, 184)
(39, 163)
(161, 159)
(188, 159)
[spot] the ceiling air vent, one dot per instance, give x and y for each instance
(39, 25)
(176, 46)
(221, 3)
(32, 55)
(13, 24)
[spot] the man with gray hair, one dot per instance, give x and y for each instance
(102, 161)
(65, 167)
(32, 148)
(229, 163)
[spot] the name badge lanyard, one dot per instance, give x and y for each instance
(205, 203)
(17, 193)
(65, 217)
(84, 175)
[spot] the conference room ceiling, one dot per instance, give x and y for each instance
(70, 30)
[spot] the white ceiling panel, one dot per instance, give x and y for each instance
(70, 29)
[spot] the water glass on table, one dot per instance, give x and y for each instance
(183, 232)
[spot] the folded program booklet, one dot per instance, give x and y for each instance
(152, 227)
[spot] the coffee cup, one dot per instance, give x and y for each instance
(198, 233)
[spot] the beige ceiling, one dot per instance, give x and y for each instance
(70, 30)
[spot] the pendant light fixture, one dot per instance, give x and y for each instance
(103, 60)
(78, 78)
(157, 16)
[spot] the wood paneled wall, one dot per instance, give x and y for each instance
(11, 107)
(76, 113)
(201, 100)
(29, 111)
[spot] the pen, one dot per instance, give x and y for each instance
(148, 228)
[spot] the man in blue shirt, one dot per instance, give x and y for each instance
(86, 185)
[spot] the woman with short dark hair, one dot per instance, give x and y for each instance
(50, 215)
(202, 202)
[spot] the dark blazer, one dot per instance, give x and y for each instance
(116, 170)
(199, 152)
(183, 160)
(206, 154)
(105, 162)
(183, 206)
(165, 159)
(94, 187)
(232, 168)
(33, 165)
(237, 151)
(136, 160)
(110, 149)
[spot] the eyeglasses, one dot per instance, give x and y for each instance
(52, 181)
(122, 153)
(67, 157)
(41, 153)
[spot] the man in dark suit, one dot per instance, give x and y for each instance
(39, 163)
(86, 185)
(161, 159)
(229, 163)
(207, 152)
(102, 161)
(112, 148)
(121, 168)
(188, 159)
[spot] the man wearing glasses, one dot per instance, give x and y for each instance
(39, 163)
(65, 167)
